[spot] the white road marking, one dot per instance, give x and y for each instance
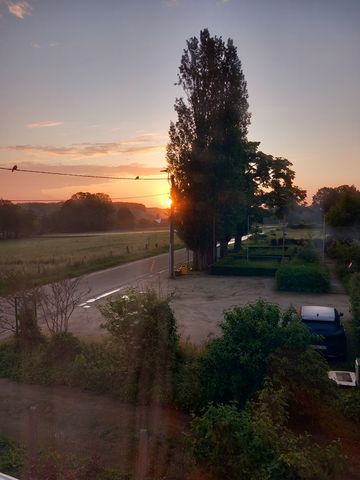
(103, 295)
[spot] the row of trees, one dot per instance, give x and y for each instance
(15, 221)
(220, 177)
(83, 212)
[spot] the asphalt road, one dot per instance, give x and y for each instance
(101, 285)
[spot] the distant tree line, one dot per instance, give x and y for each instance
(83, 212)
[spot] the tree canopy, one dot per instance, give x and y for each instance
(220, 177)
(85, 212)
(341, 205)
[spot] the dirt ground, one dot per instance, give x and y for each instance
(199, 301)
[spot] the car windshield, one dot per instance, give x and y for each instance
(322, 327)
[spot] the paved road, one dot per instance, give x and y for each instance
(86, 317)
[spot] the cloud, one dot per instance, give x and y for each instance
(141, 144)
(19, 9)
(46, 124)
(35, 45)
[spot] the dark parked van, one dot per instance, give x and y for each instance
(325, 323)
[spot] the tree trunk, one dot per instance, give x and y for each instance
(202, 259)
(223, 248)
(238, 242)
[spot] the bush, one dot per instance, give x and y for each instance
(245, 268)
(100, 367)
(307, 254)
(144, 326)
(255, 443)
(11, 456)
(9, 360)
(234, 365)
(354, 291)
(350, 403)
(303, 278)
(187, 378)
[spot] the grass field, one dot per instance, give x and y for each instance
(294, 233)
(48, 258)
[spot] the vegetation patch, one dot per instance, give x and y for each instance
(303, 278)
(135, 364)
(11, 456)
(238, 266)
(354, 290)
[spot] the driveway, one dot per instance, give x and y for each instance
(199, 300)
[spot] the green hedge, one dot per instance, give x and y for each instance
(244, 268)
(354, 290)
(303, 278)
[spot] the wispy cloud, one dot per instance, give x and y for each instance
(46, 124)
(19, 9)
(35, 45)
(141, 144)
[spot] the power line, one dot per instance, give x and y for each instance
(67, 174)
(112, 198)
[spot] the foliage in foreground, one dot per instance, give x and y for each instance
(256, 444)
(256, 381)
(11, 456)
(235, 364)
(136, 363)
(354, 291)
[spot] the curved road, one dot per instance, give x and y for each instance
(85, 319)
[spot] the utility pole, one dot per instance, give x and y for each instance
(172, 231)
(324, 238)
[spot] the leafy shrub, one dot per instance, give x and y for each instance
(100, 367)
(350, 403)
(303, 278)
(255, 443)
(11, 456)
(234, 365)
(9, 360)
(307, 254)
(354, 290)
(144, 326)
(63, 347)
(265, 268)
(187, 377)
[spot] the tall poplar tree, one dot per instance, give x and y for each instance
(207, 151)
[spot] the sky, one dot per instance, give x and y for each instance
(88, 87)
